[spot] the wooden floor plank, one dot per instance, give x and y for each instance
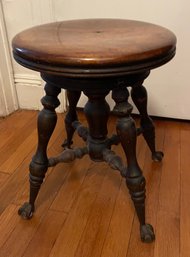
(15, 187)
(100, 217)
(8, 221)
(116, 242)
(15, 141)
(185, 125)
(46, 235)
(69, 191)
(18, 156)
(170, 180)
(13, 184)
(185, 194)
(20, 144)
(25, 229)
(3, 178)
(167, 228)
(74, 226)
(16, 120)
(167, 235)
(12, 126)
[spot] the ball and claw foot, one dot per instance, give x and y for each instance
(157, 156)
(26, 211)
(147, 233)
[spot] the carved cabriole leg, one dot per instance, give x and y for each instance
(97, 112)
(139, 96)
(135, 181)
(73, 98)
(47, 119)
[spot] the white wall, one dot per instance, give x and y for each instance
(167, 86)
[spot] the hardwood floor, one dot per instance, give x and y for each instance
(84, 209)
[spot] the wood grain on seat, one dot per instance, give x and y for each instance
(93, 43)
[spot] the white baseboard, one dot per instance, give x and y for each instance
(30, 90)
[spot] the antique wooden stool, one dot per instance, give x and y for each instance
(95, 56)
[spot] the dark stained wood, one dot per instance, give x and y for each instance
(95, 56)
(135, 180)
(54, 148)
(152, 173)
(139, 96)
(73, 98)
(47, 119)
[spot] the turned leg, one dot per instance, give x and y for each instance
(97, 112)
(47, 119)
(139, 96)
(73, 98)
(135, 181)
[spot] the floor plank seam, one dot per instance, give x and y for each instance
(161, 174)
(79, 189)
(85, 226)
(10, 178)
(95, 198)
(58, 211)
(133, 221)
(5, 173)
(34, 232)
(161, 210)
(66, 177)
(7, 240)
(111, 216)
(58, 235)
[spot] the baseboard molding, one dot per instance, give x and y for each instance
(30, 89)
(28, 79)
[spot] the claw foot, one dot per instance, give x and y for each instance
(26, 211)
(157, 156)
(147, 233)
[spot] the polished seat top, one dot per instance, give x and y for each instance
(94, 46)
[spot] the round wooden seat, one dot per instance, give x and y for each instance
(94, 47)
